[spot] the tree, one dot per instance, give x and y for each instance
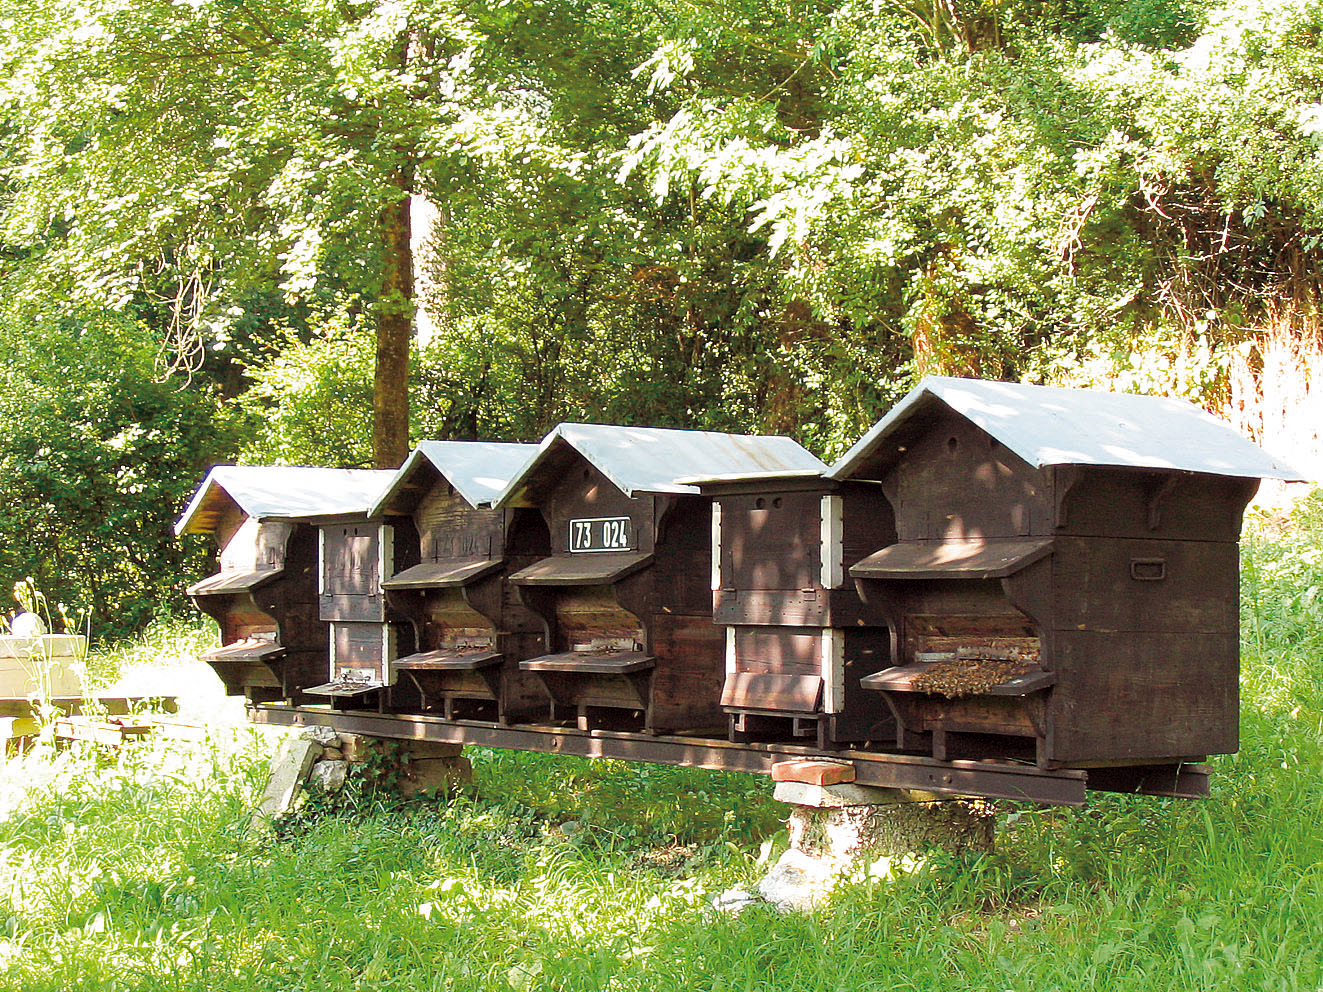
(96, 459)
(207, 149)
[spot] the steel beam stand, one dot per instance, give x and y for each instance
(993, 780)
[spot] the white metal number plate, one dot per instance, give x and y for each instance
(601, 534)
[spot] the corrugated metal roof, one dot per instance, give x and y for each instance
(653, 459)
(1049, 425)
(479, 470)
(282, 492)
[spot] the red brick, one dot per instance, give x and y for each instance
(812, 772)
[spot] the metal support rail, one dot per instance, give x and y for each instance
(989, 779)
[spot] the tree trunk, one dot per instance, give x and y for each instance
(390, 390)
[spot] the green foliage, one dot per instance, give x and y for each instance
(263, 152)
(733, 215)
(310, 402)
(97, 458)
(1282, 580)
(165, 643)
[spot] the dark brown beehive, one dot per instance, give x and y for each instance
(264, 596)
(625, 594)
(798, 638)
(1064, 586)
(470, 629)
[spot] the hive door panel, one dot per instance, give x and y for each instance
(1145, 585)
(775, 669)
(351, 572)
(778, 650)
(1159, 695)
(770, 542)
(686, 688)
(362, 650)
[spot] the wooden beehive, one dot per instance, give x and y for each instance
(43, 666)
(356, 553)
(264, 595)
(625, 594)
(1064, 586)
(470, 629)
(798, 638)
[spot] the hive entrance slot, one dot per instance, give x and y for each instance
(607, 645)
(591, 622)
(967, 655)
(463, 640)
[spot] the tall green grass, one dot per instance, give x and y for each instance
(167, 642)
(139, 874)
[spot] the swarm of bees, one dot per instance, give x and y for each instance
(971, 671)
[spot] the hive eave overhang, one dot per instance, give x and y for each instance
(282, 492)
(1051, 425)
(657, 460)
(480, 471)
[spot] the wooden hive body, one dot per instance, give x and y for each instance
(1078, 615)
(470, 629)
(264, 599)
(626, 605)
(356, 552)
(798, 638)
(626, 592)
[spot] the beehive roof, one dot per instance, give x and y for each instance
(283, 492)
(1049, 425)
(653, 459)
(479, 470)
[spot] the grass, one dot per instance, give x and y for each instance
(567, 874)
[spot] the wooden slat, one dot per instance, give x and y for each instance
(993, 558)
(581, 570)
(996, 779)
(18, 726)
(225, 583)
(177, 729)
(344, 688)
(791, 693)
(443, 574)
(110, 732)
(246, 650)
(607, 663)
(450, 661)
(900, 678)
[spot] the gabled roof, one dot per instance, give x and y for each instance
(652, 459)
(1048, 425)
(281, 492)
(479, 470)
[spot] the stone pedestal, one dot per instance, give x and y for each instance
(840, 830)
(844, 822)
(436, 766)
(440, 775)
